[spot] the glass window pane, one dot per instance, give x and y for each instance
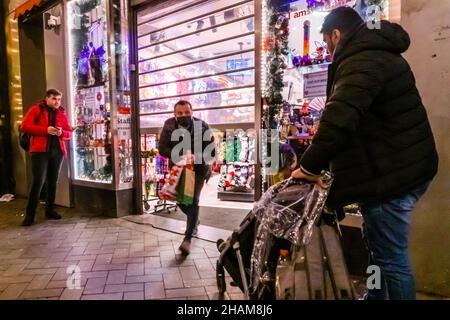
(219, 116)
(154, 121)
(146, 24)
(234, 29)
(202, 101)
(199, 24)
(226, 116)
(207, 52)
(225, 81)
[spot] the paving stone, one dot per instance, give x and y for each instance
(135, 269)
(71, 294)
(152, 262)
(200, 282)
(106, 296)
(14, 270)
(154, 290)
(37, 263)
(51, 271)
(189, 273)
(137, 295)
(173, 280)
(186, 292)
(13, 291)
(127, 260)
(45, 293)
(112, 288)
(108, 267)
(95, 285)
(40, 282)
(116, 277)
(146, 278)
(57, 284)
(86, 265)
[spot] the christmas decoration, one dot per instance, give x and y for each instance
(276, 63)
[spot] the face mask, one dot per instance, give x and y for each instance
(184, 121)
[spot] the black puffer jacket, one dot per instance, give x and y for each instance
(203, 139)
(374, 134)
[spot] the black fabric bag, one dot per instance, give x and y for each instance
(24, 137)
(24, 140)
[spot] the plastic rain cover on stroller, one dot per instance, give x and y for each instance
(287, 210)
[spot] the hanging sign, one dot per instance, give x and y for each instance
(315, 84)
(124, 126)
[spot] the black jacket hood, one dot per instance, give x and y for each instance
(390, 37)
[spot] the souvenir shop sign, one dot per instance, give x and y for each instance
(315, 84)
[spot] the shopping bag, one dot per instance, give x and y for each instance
(187, 187)
(169, 190)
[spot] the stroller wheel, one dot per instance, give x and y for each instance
(220, 277)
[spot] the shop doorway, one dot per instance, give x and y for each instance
(203, 52)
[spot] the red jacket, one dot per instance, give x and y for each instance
(36, 123)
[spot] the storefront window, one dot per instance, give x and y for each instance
(208, 60)
(202, 52)
(89, 84)
(122, 90)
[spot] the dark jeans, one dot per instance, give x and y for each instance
(45, 168)
(386, 232)
(191, 211)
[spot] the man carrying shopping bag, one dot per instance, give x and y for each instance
(189, 138)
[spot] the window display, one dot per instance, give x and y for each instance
(204, 53)
(236, 157)
(91, 111)
(209, 64)
(102, 151)
(121, 88)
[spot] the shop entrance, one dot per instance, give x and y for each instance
(203, 52)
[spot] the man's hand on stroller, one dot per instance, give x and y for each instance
(303, 174)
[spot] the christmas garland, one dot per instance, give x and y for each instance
(276, 46)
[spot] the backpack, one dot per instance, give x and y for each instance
(24, 137)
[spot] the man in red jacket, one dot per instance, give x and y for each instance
(49, 128)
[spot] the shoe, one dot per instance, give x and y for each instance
(185, 247)
(53, 215)
(28, 221)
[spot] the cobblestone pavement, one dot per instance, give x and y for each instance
(118, 259)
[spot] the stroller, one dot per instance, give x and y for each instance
(285, 220)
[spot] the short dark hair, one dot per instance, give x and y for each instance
(182, 103)
(53, 92)
(343, 19)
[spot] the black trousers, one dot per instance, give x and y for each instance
(191, 211)
(45, 167)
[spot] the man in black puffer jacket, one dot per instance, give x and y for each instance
(196, 138)
(375, 137)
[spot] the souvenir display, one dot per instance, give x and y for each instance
(236, 167)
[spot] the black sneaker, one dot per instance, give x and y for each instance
(28, 221)
(53, 215)
(185, 247)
